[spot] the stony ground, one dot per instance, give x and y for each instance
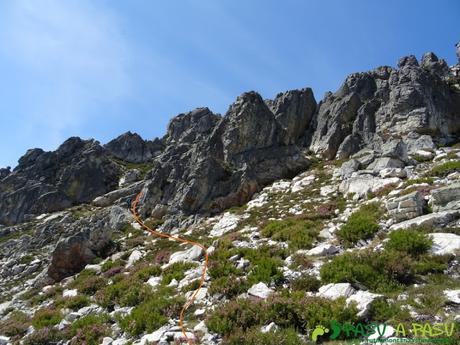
(365, 239)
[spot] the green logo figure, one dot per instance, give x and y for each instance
(319, 330)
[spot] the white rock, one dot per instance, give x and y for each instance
(393, 172)
(70, 293)
(279, 186)
(334, 291)
(323, 249)
(259, 201)
(425, 154)
(382, 331)
(4, 340)
(191, 254)
(155, 336)
(95, 267)
(120, 341)
(5, 306)
(201, 295)
(179, 336)
(260, 290)
(363, 300)
(328, 189)
(107, 341)
(133, 258)
(201, 327)
(72, 316)
(360, 185)
(300, 183)
(445, 243)
(63, 324)
(173, 283)
(91, 309)
(154, 281)
(269, 328)
(199, 312)
(453, 296)
(227, 223)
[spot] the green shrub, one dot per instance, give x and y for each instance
(90, 329)
(429, 180)
(16, 324)
(230, 286)
(44, 336)
(254, 336)
(145, 271)
(298, 233)
(382, 310)
(445, 168)
(366, 268)
(73, 303)
(264, 263)
(152, 313)
(306, 283)
(296, 311)
(361, 225)
(46, 317)
(176, 271)
(109, 264)
(409, 241)
(88, 282)
(126, 293)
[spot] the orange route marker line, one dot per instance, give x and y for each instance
(190, 301)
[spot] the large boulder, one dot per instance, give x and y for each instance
(446, 198)
(406, 207)
(92, 239)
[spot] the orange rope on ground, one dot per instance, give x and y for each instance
(182, 240)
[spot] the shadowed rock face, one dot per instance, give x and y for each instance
(76, 172)
(231, 158)
(373, 106)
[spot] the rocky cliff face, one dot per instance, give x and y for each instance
(207, 163)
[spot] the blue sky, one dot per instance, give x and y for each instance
(96, 69)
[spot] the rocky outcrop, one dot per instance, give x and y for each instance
(132, 148)
(446, 198)
(373, 106)
(76, 172)
(406, 207)
(91, 239)
(212, 162)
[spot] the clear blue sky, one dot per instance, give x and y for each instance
(96, 69)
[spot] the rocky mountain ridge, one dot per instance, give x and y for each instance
(306, 187)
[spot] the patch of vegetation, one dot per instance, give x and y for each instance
(109, 264)
(298, 233)
(305, 283)
(46, 317)
(254, 336)
(90, 329)
(264, 263)
(429, 180)
(87, 282)
(301, 261)
(361, 225)
(125, 292)
(385, 271)
(382, 310)
(144, 168)
(44, 336)
(409, 241)
(291, 311)
(143, 271)
(445, 168)
(152, 313)
(176, 271)
(15, 325)
(73, 303)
